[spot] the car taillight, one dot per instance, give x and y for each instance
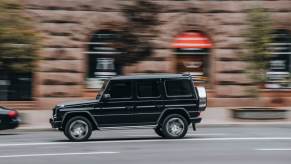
(12, 114)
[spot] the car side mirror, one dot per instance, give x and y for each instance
(106, 96)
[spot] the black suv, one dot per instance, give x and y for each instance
(168, 103)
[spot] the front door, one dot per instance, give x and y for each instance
(117, 110)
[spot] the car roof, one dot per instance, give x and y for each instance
(151, 76)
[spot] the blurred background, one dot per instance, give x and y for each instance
(53, 51)
(59, 50)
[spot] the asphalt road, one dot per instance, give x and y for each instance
(231, 145)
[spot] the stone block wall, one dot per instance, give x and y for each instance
(67, 24)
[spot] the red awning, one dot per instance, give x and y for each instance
(192, 40)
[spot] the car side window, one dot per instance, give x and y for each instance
(179, 87)
(120, 89)
(148, 88)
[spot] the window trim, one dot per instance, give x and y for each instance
(194, 92)
(176, 96)
(157, 97)
(127, 98)
(96, 45)
(279, 42)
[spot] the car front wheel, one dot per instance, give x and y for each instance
(175, 126)
(78, 128)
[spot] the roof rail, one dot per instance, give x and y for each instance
(186, 74)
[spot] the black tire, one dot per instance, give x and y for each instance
(159, 132)
(84, 124)
(174, 126)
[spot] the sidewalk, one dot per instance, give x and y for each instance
(215, 116)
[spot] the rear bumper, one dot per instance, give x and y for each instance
(12, 124)
(55, 124)
(196, 120)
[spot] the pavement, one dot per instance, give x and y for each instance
(212, 116)
(228, 145)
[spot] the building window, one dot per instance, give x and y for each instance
(192, 53)
(103, 49)
(15, 86)
(278, 75)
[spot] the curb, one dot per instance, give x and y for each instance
(244, 124)
(33, 129)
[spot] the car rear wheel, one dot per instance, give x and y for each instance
(78, 128)
(175, 126)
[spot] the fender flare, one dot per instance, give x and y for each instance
(74, 112)
(169, 109)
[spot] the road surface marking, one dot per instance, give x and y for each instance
(191, 134)
(141, 135)
(55, 154)
(121, 140)
(275, 149)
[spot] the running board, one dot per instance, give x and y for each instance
(128, 127)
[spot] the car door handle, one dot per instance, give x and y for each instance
(130, 107)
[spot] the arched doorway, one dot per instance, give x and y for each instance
(192, 54)
(279, 74)
(103, 50)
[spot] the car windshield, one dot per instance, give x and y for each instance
(105, 82)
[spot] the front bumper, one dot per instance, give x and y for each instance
(196, 120)
(55, 124)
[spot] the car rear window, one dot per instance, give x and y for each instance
(179, 87)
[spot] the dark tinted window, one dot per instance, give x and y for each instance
(120, 89)
(148, 88)
(178, 88)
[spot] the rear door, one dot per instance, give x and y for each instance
(149, 104)
(181, 93)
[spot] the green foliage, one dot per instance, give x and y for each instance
(142, 16)
(258, 37)
(18, 40)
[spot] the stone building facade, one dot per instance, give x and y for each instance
(67, 25)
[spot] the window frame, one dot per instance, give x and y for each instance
(158, 87)
(127, 98)
(177, 96)
(194, 92)
(96, 51)
(277, 39)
